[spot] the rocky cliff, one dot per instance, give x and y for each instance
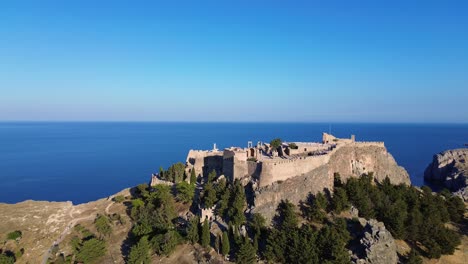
(450, 168)
(376, 246)
(351, 160)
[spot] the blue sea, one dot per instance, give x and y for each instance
(85, 161)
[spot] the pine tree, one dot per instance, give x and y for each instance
(246, 253)
(139, 253)
(340, 200)
(205, 238)
(225, 244)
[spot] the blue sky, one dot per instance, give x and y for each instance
(298, 61)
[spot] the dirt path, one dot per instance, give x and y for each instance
(108, 207)
(69, 227)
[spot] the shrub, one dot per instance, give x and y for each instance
(293, 146)
(14, 235)
(119, 198)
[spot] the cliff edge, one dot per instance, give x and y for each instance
(450, 168)
(350, 160)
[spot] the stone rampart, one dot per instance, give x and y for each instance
(281, 170)
(294, 179)
(205, 161)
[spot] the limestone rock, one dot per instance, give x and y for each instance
(450, 168)
(377, 245)
(370, 157)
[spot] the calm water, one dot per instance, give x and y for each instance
(86, 161)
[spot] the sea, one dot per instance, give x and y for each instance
(85, 161)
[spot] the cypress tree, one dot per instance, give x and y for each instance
(192, 232)
(193, 177)
(205, 238)
(225, 245)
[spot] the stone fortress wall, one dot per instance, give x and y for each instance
(291, 174)
(266, 166)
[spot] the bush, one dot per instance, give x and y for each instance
(293, 146)
(103, 225)
(14, 235)
(119, 198)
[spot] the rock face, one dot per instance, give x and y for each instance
(351, 160)
(451, 169)
(377, 245)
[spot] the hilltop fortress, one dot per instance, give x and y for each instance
(266, 165)
(294, 169)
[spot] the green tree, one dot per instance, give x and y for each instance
(225, 244)
(237, 204)
(140, 253)
(165, 244)
(91, 250)
(102, 225)
(286, 218)
(413, 258)
(223, 203)
(193, 177)
(275, 143)
(257, 223)
(211, 176)
(205, 236)
(246, 253)
(332, 240)
(185, 192)
(339, 200)
(143, 190)
(209, 195)
(456, 208)
(317, 205)
(192, 230)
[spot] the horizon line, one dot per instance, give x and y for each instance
(234, 122)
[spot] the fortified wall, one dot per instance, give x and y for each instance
(294, 169)
(203, 162)
(349, 160)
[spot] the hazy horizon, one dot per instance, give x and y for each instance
(246, 61)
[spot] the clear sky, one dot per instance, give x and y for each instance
(308, 61)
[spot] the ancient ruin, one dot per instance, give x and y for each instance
(265, 165)
(294, 169)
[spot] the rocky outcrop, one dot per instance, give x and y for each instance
(358, 158)
(450, 168)
(294, 189)
(376, 246)
(350, 160)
